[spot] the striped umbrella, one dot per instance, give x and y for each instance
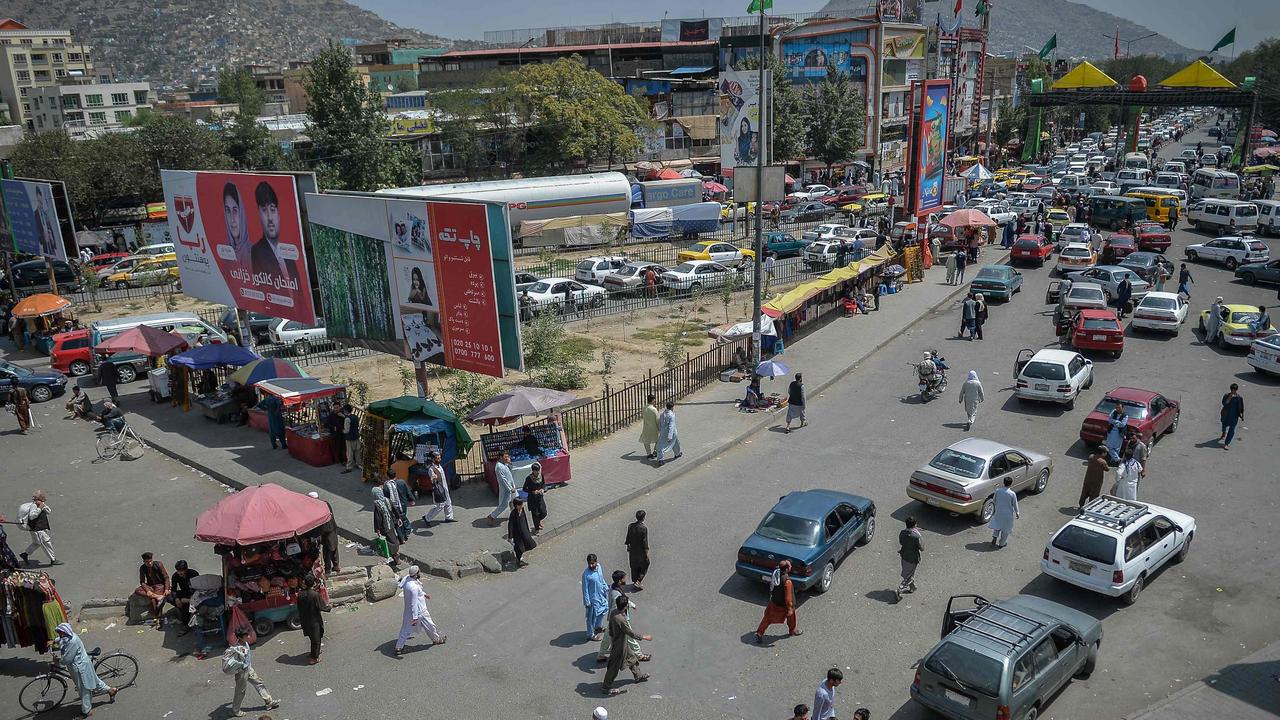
(266, 369)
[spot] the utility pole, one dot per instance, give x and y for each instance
(756, 299)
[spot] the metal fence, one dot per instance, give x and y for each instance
(107, 295)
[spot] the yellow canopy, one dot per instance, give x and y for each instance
(851, 207)
(1197, 75)
(795, 297)
(1084, 75)
(1260, 169)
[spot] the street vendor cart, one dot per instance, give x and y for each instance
(308, 441)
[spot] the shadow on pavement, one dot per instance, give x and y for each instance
(1250, 683)
(983, 546)
(569, 639)
(1099, 606)
(887, 596)
(932, 520)
(1035, 408)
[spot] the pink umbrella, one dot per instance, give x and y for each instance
(260, 514)
(712, 186)
(968, 218)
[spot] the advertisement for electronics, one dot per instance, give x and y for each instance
(933, 144)
(239, 241)
(32, 218)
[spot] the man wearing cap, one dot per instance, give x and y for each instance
(416, 616)
(600, 714)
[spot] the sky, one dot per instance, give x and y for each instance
(1194, 23)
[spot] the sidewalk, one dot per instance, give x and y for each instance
(606, 474)
(1246, 690)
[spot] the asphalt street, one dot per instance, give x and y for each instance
(517, 645)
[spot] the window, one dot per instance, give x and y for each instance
(71, 101)
(1023, 671)
(119, 98)
(39, 58)
(74, 57)
(123, 115)
(1045, 654)
(42, 76)
(20, 59)
(60, 73)
(57, 57)
(832, 525)
(74, 117)
(93, 101)
(97, 118)
(24, 76)
(139, 97)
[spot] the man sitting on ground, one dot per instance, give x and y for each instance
(153, 584)
(78, 405)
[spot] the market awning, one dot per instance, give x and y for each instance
(260, 514)
(212, 356)
(691, 70)
(295, 391)
(396, 410)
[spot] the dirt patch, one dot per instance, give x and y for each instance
(153, 303)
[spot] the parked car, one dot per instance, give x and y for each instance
(157, 270)
(996, 281)
(825, 231)
(812, 192)
(1150, 413)
(721, 252)
(1114, 546)
(524, 280)
(1056, 376)
(1031, 249)
(300, 336)
(1117, 247)
(963, 477)
(1074, 257)
(629, 278)
(814, 529)
(1160, 311)
(844, 195)
(1153, 237)
(595, 269)
(806, 211)
(121, 264)
(1252, 273)
(1005, 659)
(104, 260)
(1223, 215)
(71, 354)
(1095, 329)
(33, 275)
(1264, 355)
(784, 245)
(1231, 251)
(694, 275)
(1236, 326)
(41, 385)
(1085, 295)
(824, 253)
(1145, 263)
(548, 294)
(999, 212)
(1109, 277)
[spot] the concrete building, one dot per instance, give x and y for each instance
(82, 110)
(270, 80)
(31, 59)
(393, 64)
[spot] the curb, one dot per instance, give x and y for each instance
(455, 569)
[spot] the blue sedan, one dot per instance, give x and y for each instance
(996, 281)
(814, 529)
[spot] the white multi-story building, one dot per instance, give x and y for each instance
(85, 110)
(32, 59)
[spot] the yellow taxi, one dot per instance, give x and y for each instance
(160, 270)
(1058, 218)
(717, 250)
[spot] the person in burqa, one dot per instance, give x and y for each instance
(416, 616)
(971, 395)
(518, 532)
(637, 543)
(75, 659)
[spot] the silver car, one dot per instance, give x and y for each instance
(963, 478)
(1109, 277)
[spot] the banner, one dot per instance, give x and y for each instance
(32, 218)
(239, 241)
(740, 137)
(808, 59)
(932, 141)
(691, 30)
(412, 278)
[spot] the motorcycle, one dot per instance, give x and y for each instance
(931, 382)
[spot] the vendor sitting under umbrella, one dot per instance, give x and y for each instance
(530, 443)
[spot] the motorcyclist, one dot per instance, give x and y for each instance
(939, 362)
(930, 378)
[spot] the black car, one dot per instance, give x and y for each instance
(806, 211)
(259, 326)
(34, 275)
(1144, 263)
(41, 385)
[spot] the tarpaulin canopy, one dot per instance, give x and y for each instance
(977, 172)
(1260, 169)
(40, 304)
(518, 401)
(295, 391)
(143, 339)
(1084, 75)
(260, 514)
(744, 329)
(1197, 75)
(791, 300)
(266, 369)
(212, 356)
(537, 227)
(397, 410)
(679, 220)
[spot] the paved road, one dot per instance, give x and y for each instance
(516, 642)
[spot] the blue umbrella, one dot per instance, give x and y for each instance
(210, 356)
(772, 368)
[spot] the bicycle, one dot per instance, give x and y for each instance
(45, 692)
(112, 444)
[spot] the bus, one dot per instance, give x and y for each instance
(1206, 183)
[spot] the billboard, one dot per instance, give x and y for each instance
(704, 30)
(32, 218)
(807, 59)
(740, 136)
(932, 142)
(239, 241)
(415, 278)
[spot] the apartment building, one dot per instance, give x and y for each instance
(31, 59)
(84, 110)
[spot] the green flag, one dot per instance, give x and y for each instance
(1228, 39)
(759, 6)
(1049, 46)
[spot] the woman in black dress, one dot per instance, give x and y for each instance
(518, 531)
(534, 487)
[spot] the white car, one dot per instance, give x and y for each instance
(1230, 251)
(1073, 234)
(1000, 212)
(853, 234)
(300, 336)
(1264, 354)
(1114, 546)
(1075, 256)
(1109, 277)
(812, 192)
(1086, 295)
(549, 293)
(695, 275)
(1161, 311)
(1106, 187)
(596, 269)
(825, 231)
(1055, 376)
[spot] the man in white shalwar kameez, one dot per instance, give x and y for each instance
(1001, 525)
(1127, 476)
(416, 616)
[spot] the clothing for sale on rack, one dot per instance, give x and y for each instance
(31, 609)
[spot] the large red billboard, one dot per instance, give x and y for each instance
(464, 274)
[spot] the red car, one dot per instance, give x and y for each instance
(1035, 249)
(845, 194)
(1153, 237)
(1117, 247)
(106, 260)
(1097, 329)
(1151, 413)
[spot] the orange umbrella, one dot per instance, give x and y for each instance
(40, 305)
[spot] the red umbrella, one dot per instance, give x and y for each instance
(712, 186)
(142, 339)
(668, 174)
(968, 218)
(260, 514)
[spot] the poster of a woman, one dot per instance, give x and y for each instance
(747, 144)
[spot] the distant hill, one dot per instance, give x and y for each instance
(1015, 23)
(171, 41)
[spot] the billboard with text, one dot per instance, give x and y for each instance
(32, 218)
(239, 241)
(932, 140)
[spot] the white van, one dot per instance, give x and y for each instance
(1137, 160)
(1226, 217)
(156, 249)
(189, 325)
(1268, 217)
(1208, 183)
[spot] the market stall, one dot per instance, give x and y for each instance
(221, 402)
(44, 315)
(33, 609)
(269, 539)
(257, 371)
(415, 427)
(542, 443)
(308, 441)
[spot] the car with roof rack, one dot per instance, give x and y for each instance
(1005, 659)
(1114, 546)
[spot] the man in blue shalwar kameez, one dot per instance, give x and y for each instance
(595, 597)
(76, 661)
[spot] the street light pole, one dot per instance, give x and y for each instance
(756, 299)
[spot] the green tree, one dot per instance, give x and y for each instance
(348, 129)
(248, 142)
(787, 119)
(835, 116)
(484, 135)
(175, 143)
(236, 85)
(1011, 122)
(405, 83)
(1261, 62)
